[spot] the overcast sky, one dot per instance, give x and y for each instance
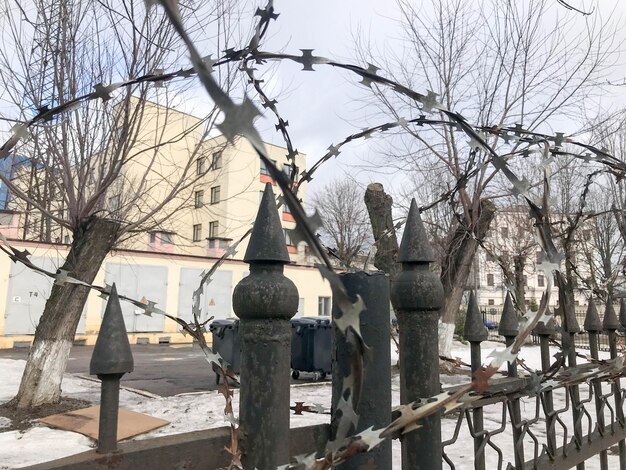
(321, 106)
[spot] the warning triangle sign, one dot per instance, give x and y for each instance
(212, 303)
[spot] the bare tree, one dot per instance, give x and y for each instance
(499, 64)
(346, 226)
(105, 171)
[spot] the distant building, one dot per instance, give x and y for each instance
(511, 236)
(164, 263)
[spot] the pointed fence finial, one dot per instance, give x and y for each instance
(622, 313)
(267, 241)
(112, 354)
(610, 322)
(545, 329)
(592, 319)
(509, 323)
(415, 247)
(474, 329)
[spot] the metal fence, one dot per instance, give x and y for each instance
(492, 315)
(554, 419)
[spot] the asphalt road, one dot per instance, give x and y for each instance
(164, 370)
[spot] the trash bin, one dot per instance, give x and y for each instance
(226, 343)
(311, 346)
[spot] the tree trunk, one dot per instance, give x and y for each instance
(47, 360)
(456, 268)
(378, 205)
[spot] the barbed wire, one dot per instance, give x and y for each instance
(239, 120)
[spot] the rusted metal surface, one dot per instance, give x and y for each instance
(375, 402)
(111, 359)
(265, 301)
(417, 296)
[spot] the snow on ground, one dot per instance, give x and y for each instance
(191, 412)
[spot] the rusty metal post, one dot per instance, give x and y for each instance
(475, 332)
(593, 326)
(610, 324)
(509, 328)
(417, 297)
(110, 360)
(265, 301)
(544, 331)
(375, 402)
(569, 328)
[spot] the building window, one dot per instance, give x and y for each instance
(114, 203)
(490, 280)
(197, 232)
(587, 234)
(214, 228)
(215, 195)
(152, 237)
(323, 306)
(491, 257)
(288, 240)
(197, 199)
(67, 240)
(539, 257)
(491, 302)
(504, 231)
(264, 170)
(541, 280)
(286, 209)
(200, 170)
(218, 243)
(525, 279)
(166, 238)
(217, 161)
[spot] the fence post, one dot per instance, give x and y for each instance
(593, 326)
(475, 332)
(265, 301)
(509, 328)
(569, 328)
(375, 402)
(610, 324)
(110, 360)
(417, 296)
(544, 331)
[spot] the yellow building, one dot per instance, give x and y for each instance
(216, 207)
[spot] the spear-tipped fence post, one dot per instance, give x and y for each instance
(417, 297)
(375, 403)
(544, 331)
(110, 360)
(570, 328)
(610, 324)
(509, 328)
(475, 332)
(593, 326)
(265, 301)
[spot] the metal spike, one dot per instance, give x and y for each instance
(112, 354)
(610, 322)
(474, 330)
(592, 319)
(267, 241)
(545, 329)
(509, 323)
(415, 247)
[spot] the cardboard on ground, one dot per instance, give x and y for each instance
(85, 421)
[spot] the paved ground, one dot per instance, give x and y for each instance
(161, 369)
